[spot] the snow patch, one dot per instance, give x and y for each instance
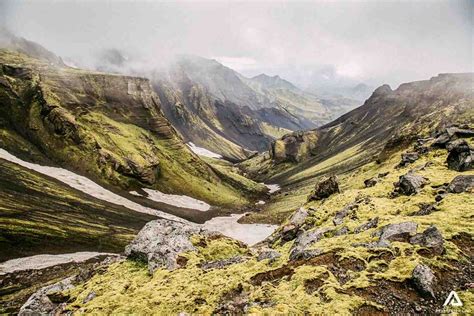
(202, 151)
(39, 262)
(247, 233)
(86, 185)
(183, 201)
(272, 187)
(260, 202)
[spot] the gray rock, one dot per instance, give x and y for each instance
(324, 189)
(396, 232)
(299, 217)
(424, 280)
(342, 231)
(461, 156)
(408, 158)
(431, 238)
(340, 215)
(304, 254)
(461, 184)
(410, 184)
(372, 223)
(40, 303)
(89, 297)
(160, 242)
(220, 264)
(291, 229)
(270, 254)
(425, 209)
(300, 247)
(371, 182)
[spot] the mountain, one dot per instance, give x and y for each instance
(389, 121)
(381, 237)
(219, 109)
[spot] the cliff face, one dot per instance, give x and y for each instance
(108, 127)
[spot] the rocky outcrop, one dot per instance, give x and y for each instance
(461, 156)
(160, 242)
(324, 189)
(431, 238)
(461, 184)
(396, 232)
(340, 215)
(294, 147)
(43, 302)
(424, 280)
(290, 230)
(408, 158)
(269, 254)
(410, 184)
(372, 223)
(300, 249)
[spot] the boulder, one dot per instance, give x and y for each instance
(160, 242)
(431, 238)
(424, 279)
(269, 254)
(340, 215)
(461, 156)
(300, 249)
(41, 303)
(290, 230)
(408, 158)
(410, 184)
(425, 209)
(461, 184)
(372, 223)
(396, 232)
(324, 189)
(371, 182)
(294, 147)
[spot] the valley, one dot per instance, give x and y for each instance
(202, 191)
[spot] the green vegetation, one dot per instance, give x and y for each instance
(315, 286)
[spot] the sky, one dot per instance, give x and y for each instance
(305, 42)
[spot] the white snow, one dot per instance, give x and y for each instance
(247, 233)
(44, 261)
(272, 187)
(260, 202)
(87, 186)
(183, 201)
(202, 151)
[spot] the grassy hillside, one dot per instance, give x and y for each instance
(107, 127)
(344, 277)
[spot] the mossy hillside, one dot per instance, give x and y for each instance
(40, 214)
(100, 125)
(291, 291)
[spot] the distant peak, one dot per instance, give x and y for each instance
(384, 89)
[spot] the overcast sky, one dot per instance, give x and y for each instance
(369, 41)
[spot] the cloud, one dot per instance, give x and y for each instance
(373, 41)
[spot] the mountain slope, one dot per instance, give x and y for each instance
(388, 121)
(108, 127)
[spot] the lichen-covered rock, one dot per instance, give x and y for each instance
(340, 215)
(431, 238)
(410, 184)
(294, 147)
(220, 264)
(324, 189)
(424, 280)
(372, 223)
(461, 156)
(160, 242)
(461, 184)
(270, 254)
(290, 230)
(408, 158)
(396, 232)
(300, 249)
(40, 302)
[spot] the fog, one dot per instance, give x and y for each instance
(305, 42)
